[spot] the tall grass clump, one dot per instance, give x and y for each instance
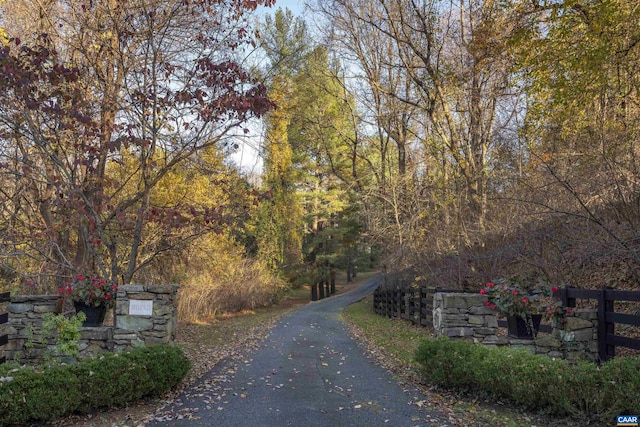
(216, 277)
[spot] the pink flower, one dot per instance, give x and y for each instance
(514, 292)
(483, 292)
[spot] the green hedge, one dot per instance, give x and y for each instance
(44, 393)
(533, 381)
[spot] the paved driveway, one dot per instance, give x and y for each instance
(308, 372)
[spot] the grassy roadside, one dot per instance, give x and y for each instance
(393, 342)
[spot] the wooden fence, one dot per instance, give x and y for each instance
(607, 317)
(4, 318)
(415, 305)
(411, 304)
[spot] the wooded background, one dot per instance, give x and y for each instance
(467, 140)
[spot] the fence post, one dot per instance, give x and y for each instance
(423, 307)
(4, 318)
(386, 302)
(564, 297)
(606, 350)
(415, 306)
(393, 302)
(333, 278)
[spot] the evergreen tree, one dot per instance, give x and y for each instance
(279, 228)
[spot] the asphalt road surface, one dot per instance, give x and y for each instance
(308, 372)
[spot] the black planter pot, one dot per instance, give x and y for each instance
(521, 328)
(95, 315)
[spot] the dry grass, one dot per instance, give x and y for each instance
(245, 286)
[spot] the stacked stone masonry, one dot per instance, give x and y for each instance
(27, 344)
(465, 316)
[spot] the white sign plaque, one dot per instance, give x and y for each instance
(140, 307)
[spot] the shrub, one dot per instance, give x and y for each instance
(44, 393)
(66, 331)
(451, 363)
(620, 382)
(35, 394)
(533, 381)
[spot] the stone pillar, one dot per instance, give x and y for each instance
(145, 315)
(458, 315)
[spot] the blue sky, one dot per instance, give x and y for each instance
(247, 155)
(296, 6)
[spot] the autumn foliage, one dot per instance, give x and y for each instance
(108, 113)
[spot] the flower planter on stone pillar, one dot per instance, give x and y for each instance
(95, 315)
(523, 329)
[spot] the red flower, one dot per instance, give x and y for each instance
(554, 289)
(514, 292)
(483, 292)
(525, 300)
(491, 284)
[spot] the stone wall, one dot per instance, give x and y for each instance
(157, 326)
(464, 316)
(143, 315)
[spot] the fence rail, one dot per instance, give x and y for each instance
(4, 318)
(607, 316)
(415, 305)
